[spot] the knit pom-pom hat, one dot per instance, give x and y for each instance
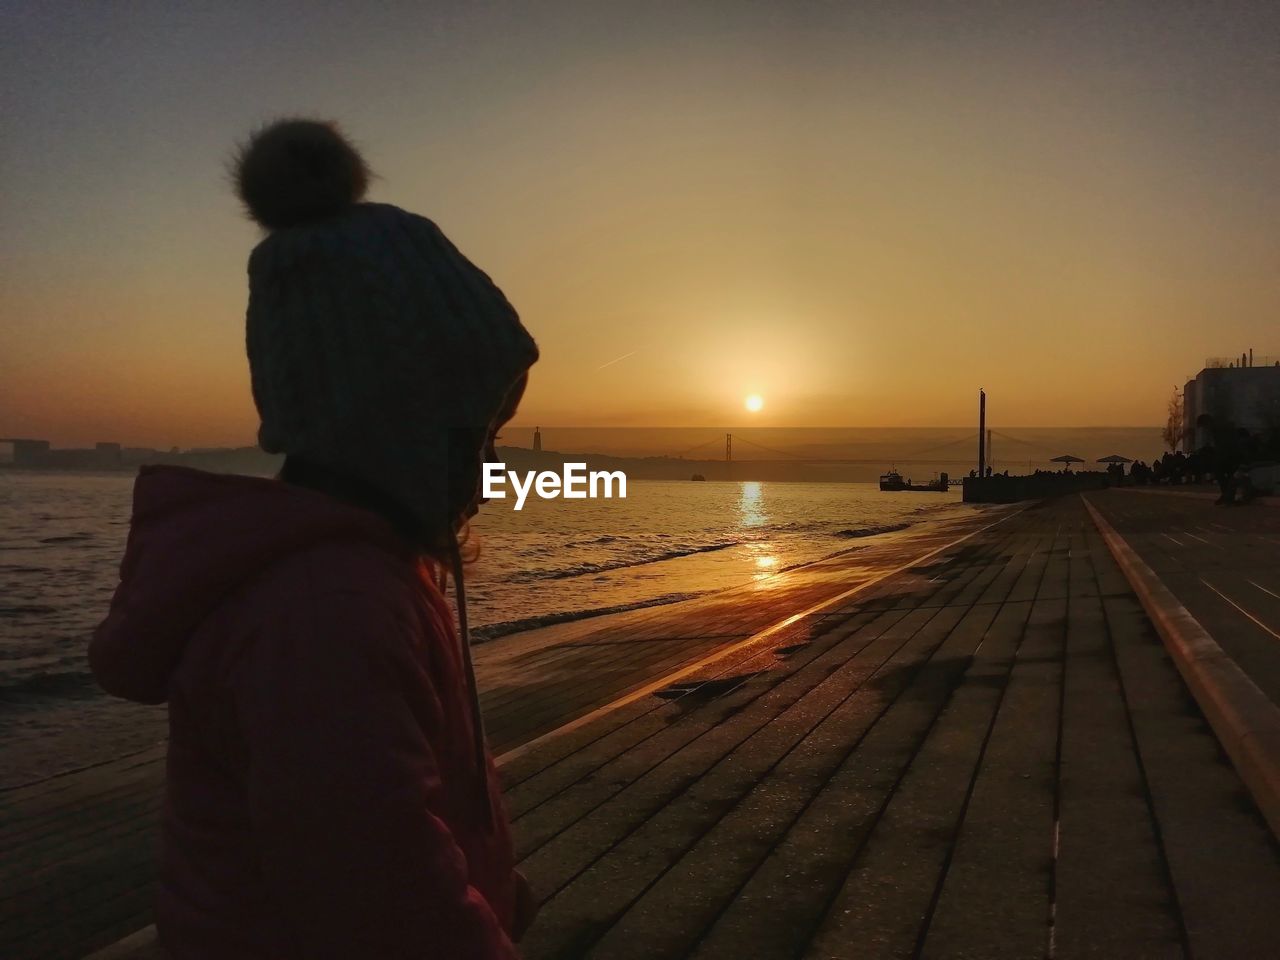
(373, 342)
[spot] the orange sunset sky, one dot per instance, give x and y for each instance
(860, 212)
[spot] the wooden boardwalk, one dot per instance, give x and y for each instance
(985, 755)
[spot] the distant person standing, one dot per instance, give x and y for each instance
(1225, 455)
(329, 794)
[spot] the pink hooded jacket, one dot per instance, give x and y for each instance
(322, 786)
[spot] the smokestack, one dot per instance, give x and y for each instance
(1251, 356)
(982, 432)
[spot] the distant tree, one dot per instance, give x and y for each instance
(1172, 432)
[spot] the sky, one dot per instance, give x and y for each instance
(861, 212)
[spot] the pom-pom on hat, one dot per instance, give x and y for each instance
(372, 340)
(297, 171)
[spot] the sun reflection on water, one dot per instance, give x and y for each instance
(751, 504)
(753, 513)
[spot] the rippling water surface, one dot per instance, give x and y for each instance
(62, 535)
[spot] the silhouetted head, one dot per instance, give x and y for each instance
(377, 351)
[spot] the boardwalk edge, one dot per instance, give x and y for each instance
(1243, 718)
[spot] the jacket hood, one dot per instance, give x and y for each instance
(194, 538)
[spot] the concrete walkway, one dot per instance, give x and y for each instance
(1222, 563)
(1001, 764)
(986, 755)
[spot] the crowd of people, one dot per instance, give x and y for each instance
(1172, 468)
(1225, 459)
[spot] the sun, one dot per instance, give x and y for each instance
(754, 403)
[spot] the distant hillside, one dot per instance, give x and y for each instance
(795, 455)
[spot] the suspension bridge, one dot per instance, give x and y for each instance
(945, 452)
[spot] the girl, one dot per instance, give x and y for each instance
(328, 789)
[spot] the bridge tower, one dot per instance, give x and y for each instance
(728, 448)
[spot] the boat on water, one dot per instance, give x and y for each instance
(893, 482)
